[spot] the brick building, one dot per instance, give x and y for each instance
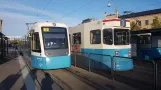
(145, 17)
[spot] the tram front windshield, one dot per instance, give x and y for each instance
(55, 38)
(121, 36)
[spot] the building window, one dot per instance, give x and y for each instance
(146, 22)
(139, 23)
(77, 38)
(95, 37)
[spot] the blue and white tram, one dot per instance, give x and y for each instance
(105, 37)
(146, 44)
(47, 46)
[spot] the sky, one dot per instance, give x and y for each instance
(16, 13)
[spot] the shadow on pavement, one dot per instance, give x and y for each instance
(46, 83)
(9, 82)
(34, 77)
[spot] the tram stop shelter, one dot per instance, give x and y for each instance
(3, 47)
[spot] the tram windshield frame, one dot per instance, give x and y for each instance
(55, 38)
(121, 36)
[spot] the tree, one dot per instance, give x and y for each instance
(14, 42)
(134, 26)
(156, 23)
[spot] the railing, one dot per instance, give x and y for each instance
(113, 65)
(155, 62)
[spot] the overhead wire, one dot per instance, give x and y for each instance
(43, 8)
(79, 8)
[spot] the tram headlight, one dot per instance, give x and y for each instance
(129, 53)
(47, 59)
(116, 53)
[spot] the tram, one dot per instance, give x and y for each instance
(107, 37)
(146, 44)
(47, 46)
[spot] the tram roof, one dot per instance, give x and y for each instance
(146, 31)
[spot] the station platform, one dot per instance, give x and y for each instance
(13, 75)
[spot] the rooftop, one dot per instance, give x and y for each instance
(143, 13)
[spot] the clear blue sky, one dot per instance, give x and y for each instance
(15, 13)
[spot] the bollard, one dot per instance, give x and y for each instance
(112, 68)
(89, 63)
(155, 74)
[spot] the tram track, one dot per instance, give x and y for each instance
(139, 79)
(88, 84)
(30, 70)
(38, 83)
(64, 85)
(59, 81)
(88, 81)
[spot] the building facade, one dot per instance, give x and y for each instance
(144, 19)
(0, 25)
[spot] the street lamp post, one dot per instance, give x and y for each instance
(116, 8)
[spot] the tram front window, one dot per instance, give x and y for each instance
(55, 38)
(121, 37)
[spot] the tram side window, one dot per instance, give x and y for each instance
(77, 38)
(95, 37)
(145, 41)
(36, 43)
(107, 36)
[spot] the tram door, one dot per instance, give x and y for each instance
(134, 46)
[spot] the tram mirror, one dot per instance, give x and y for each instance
(29, 35)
